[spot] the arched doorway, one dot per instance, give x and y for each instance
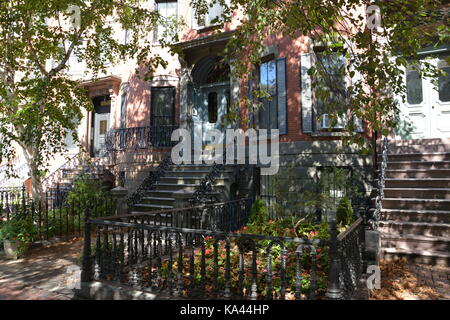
(210, 95)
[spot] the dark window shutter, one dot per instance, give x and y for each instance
(282, 96)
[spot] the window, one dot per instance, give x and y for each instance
(268, 115)
(212, 107)
(126, 36)
(444, 82)
(414, 92)
(334, 183)
(168, 11)
(69, 140)
(215, 11)
(334, 97)
(163, 106)
(103, 126)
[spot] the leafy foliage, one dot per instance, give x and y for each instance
(41, 102)
(375, 56)
(19, 228)
(344, 212)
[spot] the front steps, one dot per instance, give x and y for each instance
(415, 219)
(66, 177)
(185, 179)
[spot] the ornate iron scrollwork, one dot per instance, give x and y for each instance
(202, 193)
(373, 217)
(150, 181)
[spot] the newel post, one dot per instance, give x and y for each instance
(86, 271)
(334, 288)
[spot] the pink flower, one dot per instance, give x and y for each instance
(313, 233)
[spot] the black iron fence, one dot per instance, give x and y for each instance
(56, 214)
(202, 263)
(136, 138)
(155, 256)
(223, 216)
(351, 250)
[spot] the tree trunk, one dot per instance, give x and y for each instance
(31, 156)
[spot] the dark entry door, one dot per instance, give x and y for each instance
(162, 115)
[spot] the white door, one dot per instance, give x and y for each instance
(101, 127)
(440, 107)
(426, 111)
(211, 107)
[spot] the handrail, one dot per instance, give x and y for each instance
(375, 218)
(21, 171)
(136, 138)
(162, 211)
(350, 229)
(150, 181)
(206, 185)
(205, 232)
(56, 175)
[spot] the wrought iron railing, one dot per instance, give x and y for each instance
(136, 138)
(59, 174)
(150, 181)
(204, 191)
(54, 215)
(85, 167)
(14, 176)
(374, 215)
(224, 216)
(351, 250)
(143, 251)
(202, 263)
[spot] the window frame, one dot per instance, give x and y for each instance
(317, 122)
(156, 34)
(274, 97)
(152, 114)
(205, 25)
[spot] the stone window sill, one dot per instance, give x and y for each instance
(328, 134)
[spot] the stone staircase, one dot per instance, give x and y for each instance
(63, 179)
(180, 182)
(415, 219)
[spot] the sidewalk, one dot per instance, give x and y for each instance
(46, 273)
(401, 280)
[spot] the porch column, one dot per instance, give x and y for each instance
(112, 111)
(184, 100)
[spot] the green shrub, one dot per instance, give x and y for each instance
(344, 212)
(259, 214)
(19, 228)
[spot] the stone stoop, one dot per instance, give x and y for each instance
(415, 219)
(179, 184)
(95, 171)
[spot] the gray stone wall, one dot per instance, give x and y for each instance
(299, 166)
